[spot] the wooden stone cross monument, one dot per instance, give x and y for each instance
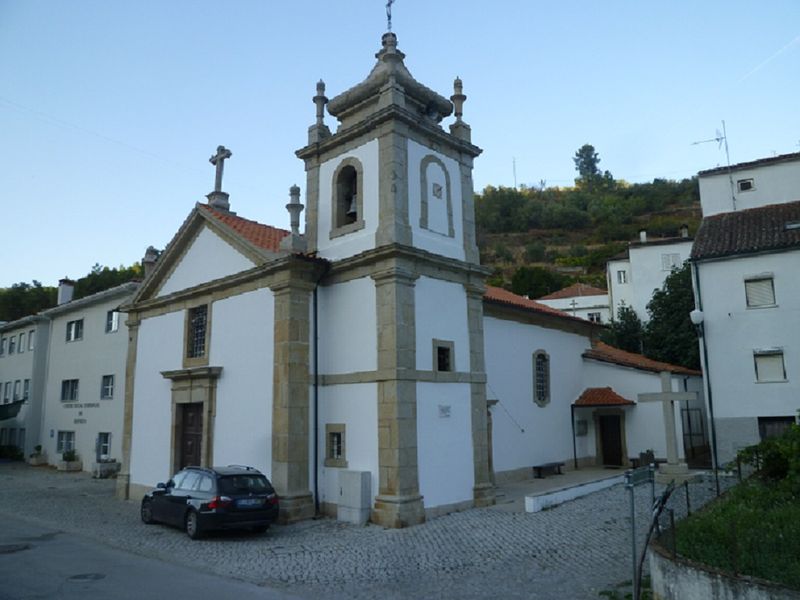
(674, 469)
(219, 199)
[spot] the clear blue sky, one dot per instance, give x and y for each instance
(109, 110)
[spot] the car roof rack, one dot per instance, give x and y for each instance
(245, 467)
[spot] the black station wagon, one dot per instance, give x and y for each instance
(200, 499)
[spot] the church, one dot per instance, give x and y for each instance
(363, 363)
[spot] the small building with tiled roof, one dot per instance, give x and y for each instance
(746, 275)
(580, 300)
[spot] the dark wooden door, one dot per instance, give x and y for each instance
(611, 439)
(191, 435)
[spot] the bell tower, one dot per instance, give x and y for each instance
(389, 202)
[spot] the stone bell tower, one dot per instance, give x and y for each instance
(390, 200)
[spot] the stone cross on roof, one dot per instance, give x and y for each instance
(389, 15)
(218, 161)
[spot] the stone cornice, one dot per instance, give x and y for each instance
(401, 375)
(367, 128)
(192, 373)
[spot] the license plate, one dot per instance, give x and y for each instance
(250, 502)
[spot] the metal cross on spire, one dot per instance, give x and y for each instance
(389, 14)
(218, 161)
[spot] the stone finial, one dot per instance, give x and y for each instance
(319, 131)
(149, 261)
(294, 242)
(458, 98)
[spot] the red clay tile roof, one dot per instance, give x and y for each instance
(604, 396)
(746, 231)
(753, 163)
(574, 290)
(605, 353)
(265, 237)
(501, 296)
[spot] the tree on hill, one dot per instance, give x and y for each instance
(102, 278)
(591, 179)
(535, 282)
(23, 299)
(669, 335)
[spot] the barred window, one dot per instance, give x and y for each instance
(196, 340)
(541, 378)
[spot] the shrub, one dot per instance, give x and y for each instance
(69, 456)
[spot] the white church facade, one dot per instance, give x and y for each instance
(358, 353)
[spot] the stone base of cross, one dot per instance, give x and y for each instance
(674, 469)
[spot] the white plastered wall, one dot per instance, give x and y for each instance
(362, 239)
(195, 267)
(160, 347)
(348, 327)
(242, 332)
(441, 313)
(444, 443)
(523, 433)
(435, 238)
(772, 184)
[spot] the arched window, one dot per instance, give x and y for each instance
(541, 378)
(347, 210)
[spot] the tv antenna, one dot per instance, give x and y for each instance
(722, 137)
(514, 168)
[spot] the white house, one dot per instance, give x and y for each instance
(23, 357)
(86, 359)
(352, 360)
(746, 263)
(580, 300)
(633, 276)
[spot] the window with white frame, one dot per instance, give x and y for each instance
(759, 291)
(31, 338)
(65, 441)
(107, 387)
(594, 317)
(769, 365)
(69, 390)
(670, 261)
(112, 321)
(622, 276)
(12, 344)
(3, 342)
(17, 388)
(103, 445)
(541, 378)
(75, 330)
(21, 345)
(7, 392)
(26, 389)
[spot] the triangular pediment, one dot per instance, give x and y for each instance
(210, 245)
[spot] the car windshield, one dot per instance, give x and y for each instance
(244, 484)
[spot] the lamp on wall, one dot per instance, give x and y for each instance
(697, 317)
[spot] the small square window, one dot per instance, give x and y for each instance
(745, 185)
(769, 365)
(335, 455)
(107, 387)
(622, 277)
(759, 292)
(595, 317)
(75, 330)
(670, 261)
(112, 321)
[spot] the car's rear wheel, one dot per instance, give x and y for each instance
(147, 512)
(193, 528)
(260, 528)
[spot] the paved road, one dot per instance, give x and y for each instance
(572, 551)
(43, 562)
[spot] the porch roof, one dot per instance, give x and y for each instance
(601, 396)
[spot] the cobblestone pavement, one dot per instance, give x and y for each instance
(574, 550)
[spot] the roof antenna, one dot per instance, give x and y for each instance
(389, 15)
(722, 136)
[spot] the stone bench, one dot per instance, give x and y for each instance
(555, 467)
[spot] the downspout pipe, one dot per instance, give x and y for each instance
(574, 443)
(315, 359)
(707, 377)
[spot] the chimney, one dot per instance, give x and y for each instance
(684, 231)
(66, 287)
(643, 236)
(149, 261)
